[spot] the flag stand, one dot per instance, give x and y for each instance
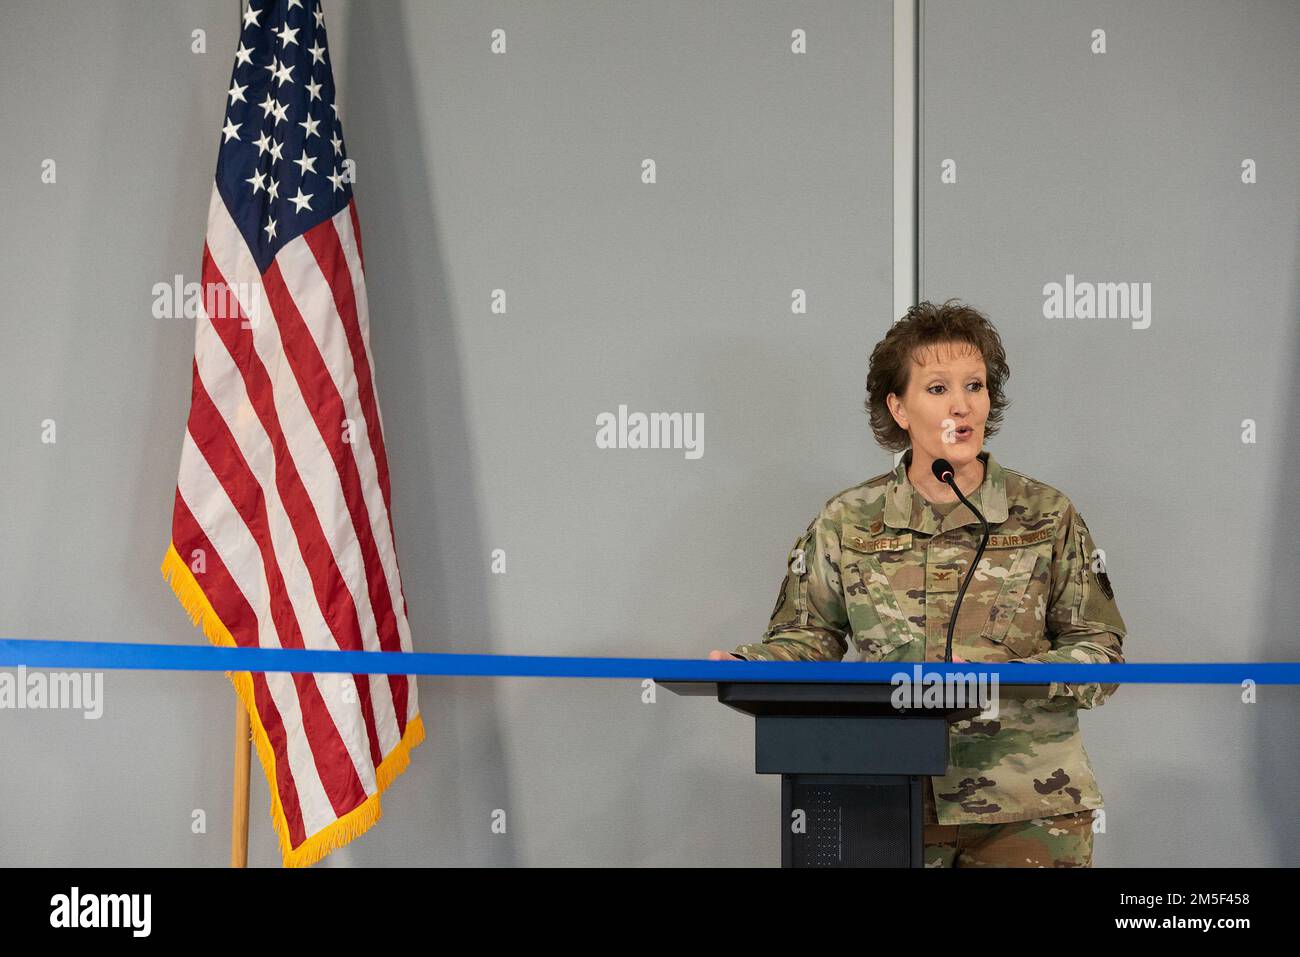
(239, 815)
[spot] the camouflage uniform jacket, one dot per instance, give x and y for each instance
(879, 565)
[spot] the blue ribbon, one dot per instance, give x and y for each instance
(97, 655)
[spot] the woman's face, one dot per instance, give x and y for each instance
(946, 403)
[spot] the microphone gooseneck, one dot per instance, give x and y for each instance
(945, 473)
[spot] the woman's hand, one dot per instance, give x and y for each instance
(718, 655)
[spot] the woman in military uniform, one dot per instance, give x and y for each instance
(881, 565)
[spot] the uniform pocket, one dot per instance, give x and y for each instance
(1017, 617)
(876, 616)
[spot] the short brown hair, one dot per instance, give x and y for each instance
(926, 324)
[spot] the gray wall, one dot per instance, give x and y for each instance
(1126, 167)
(522, 172)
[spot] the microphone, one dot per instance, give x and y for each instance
(945, 473)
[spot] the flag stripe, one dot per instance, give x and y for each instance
(349, 245)
(330, 248)
(308, 434)
(210, 502)
(327, 247)
(356, 229)
(261, 480)
(333, 757)
(232, 607)
(326, 408)
(348, 232)
(265, 486)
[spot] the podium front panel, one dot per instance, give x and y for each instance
(851, 821)
(806, 744)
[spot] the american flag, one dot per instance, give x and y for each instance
(282, 533)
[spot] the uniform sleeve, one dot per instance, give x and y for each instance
(809, 622)
(1084, 625)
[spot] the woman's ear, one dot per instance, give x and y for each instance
(896, 410)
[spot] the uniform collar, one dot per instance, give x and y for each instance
(905, 507)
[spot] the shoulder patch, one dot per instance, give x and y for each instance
(1104, 581)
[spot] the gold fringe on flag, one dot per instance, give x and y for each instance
(353, 824)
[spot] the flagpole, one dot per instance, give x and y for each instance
(239, 815)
